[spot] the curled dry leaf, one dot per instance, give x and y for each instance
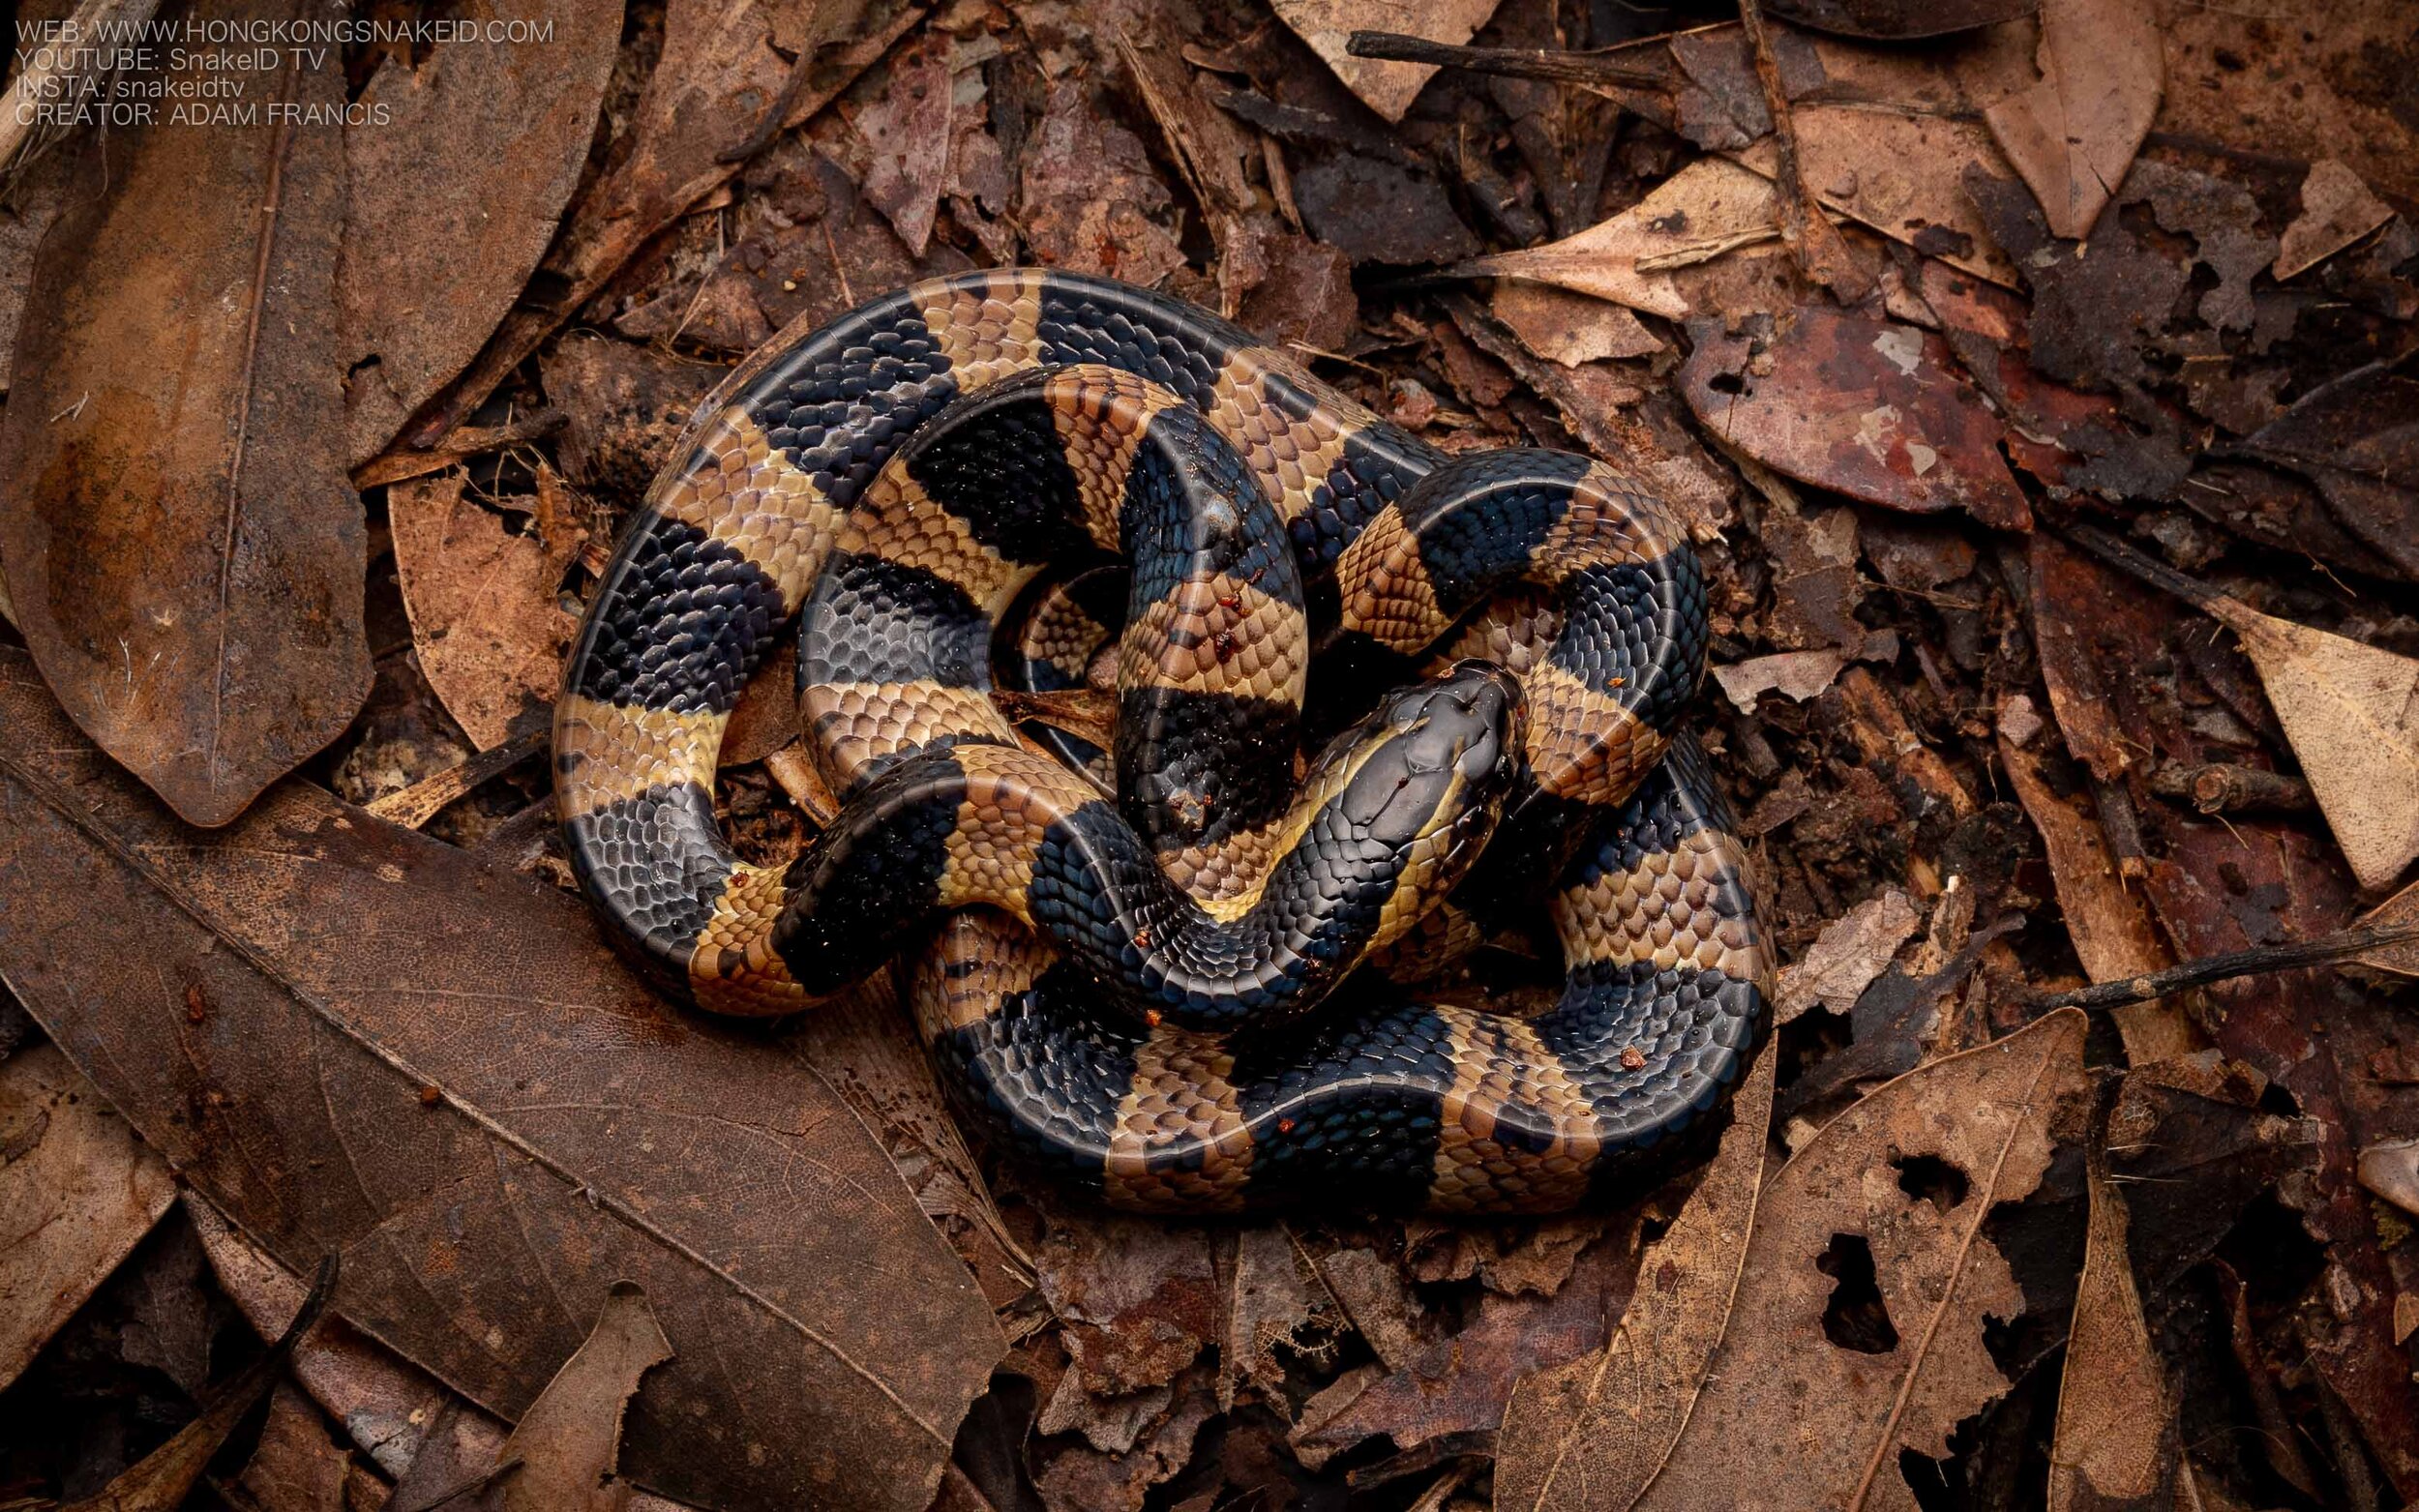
(503, 1122)
(569, 1442)
(2337, 210)
(1848, 955)
(2116, 1444)
(1385, 87)
(182, 552)
(1706, 209)
(1888, 1200)
(1590, 1435)
(1870, 408)
(77, 1192)
(2072, 132)
(451, 197)
(485, 604)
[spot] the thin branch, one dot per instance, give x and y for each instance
(1561, 67)
(2341, 945)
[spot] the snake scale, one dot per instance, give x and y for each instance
(1166, 968)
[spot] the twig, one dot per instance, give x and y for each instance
(1810, 237)
(414, 805)
(2338, 946)
(1563, 68)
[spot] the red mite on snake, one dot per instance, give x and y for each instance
(1173, 972)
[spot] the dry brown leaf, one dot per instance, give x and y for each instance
(1706, 209)
(1570, 328)
(2312, 93)
(453, 195)
(569, 1442)
(2403, 909)
(906, 131)
(1591, 1433)
(2351, 712)
(1897, 20)
(296, 1466)
(1088, 192)
(2073, 133)
(1901, 1183)
(717, 80)
(2109, 926)
(1387, 88)
(77, 1192)
(2337, 210)
(485, 604)
(1796, 675)
(511, 1122)
(1848, 955)
(2117, 1444)
(184, 554)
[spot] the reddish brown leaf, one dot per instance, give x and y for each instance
(182, 552)
(2074, 131)
(569, 1442)
(583, 1132)
(1870, 408)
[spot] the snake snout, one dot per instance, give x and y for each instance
(1445, 749)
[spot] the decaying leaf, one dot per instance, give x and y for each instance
(2116, 1444)
(569, 1442)
(77, 1192)
(2337, 210)
(1870, 408)
(451, 197)
(485, 603)
(1858, 1330)
(1848, 955)
(2399, 909)
(907, 131)
(503, 1121)
(1570, 328)
(1387, 88)
(1706, 209)
(1591, 1433)
(2074, 132)
(1089, 194)
(184, 555)
(1897, 20)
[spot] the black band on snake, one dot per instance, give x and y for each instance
(1166, 969)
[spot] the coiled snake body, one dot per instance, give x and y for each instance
(1148, 983)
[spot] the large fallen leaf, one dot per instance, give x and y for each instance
(485, 604)
(1591, 1434)
(2116, 1444)
(77, 1193)
(1880, 1215)
(1706, 209)
(1870, 408)
(454, 186)
(354, 1039)
(570, 1440)
(2308, 100)
(2350, 710)
(2073, 133)
(1385, 87)
(183, 553)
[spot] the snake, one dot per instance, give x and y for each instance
(1208, 965)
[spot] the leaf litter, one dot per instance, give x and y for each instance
(2100, 273)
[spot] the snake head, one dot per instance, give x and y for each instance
(1436, 760)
